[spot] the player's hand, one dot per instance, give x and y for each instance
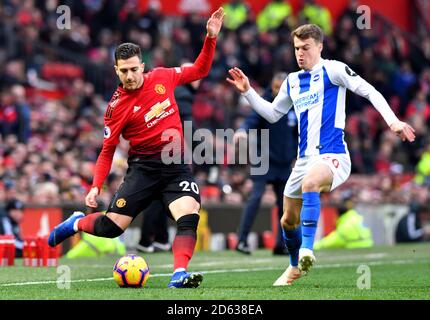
(240, 80)
(403, 130)
(239, 135)
(91, 198)
(213, 26)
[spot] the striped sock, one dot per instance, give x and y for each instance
(309, 216)
(293, 240)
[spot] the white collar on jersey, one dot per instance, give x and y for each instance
(315, 67)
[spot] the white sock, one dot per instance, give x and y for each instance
(179, 270)
(75, 225)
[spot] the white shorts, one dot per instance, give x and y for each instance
(339, 164)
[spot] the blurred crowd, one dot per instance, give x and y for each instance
(55, 84)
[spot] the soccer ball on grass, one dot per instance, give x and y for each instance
(131, 271)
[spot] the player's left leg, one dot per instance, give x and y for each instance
(325, 174)
(317, 180)
(182, 196)
(185, 211)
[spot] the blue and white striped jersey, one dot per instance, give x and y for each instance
(318, 98)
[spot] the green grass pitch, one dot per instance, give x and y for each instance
(400, 272)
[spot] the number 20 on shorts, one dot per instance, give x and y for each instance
(185, 185)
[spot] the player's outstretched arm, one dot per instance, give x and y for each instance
(201, 67)
(213, 26)
(272, 112)
(240, 80)
(403, 130)
(342, 75)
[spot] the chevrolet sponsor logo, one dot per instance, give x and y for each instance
(157, 110)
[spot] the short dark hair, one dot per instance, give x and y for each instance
(127, 50)
(309, 31)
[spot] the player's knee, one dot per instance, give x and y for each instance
(310, 185)
(195, 206)
(105, 227)
(289, 222)
(187, 225)
(183, 206)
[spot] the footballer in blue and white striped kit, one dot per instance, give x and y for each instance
(317, 93)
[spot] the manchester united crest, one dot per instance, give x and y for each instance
(120, 203)
(160, 89)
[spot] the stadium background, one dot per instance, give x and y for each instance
(55, 84)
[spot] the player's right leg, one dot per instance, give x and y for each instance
(110, 225)
(65, 229)
(128, 201)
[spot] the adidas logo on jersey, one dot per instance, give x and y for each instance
(136, 108)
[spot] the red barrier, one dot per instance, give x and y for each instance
(37, 253)
(269, 240)
(40, 221)
(232, 241)
(7, 250)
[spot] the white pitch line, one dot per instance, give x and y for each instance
(369, 256)
(52, 281)
(337, 265)
(196, 264)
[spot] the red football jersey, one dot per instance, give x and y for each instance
(142, 115)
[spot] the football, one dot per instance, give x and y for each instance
(131, 271)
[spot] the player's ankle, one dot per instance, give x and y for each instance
(179, 270)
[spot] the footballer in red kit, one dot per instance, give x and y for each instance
(142, 115)
(141, 110)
